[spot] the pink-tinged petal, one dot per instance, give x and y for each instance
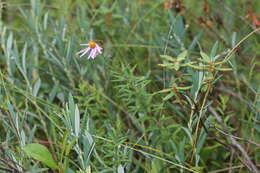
(85, 52)
(91, 52)
(99, 49)
(94, 54)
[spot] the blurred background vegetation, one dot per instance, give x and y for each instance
(175, 90)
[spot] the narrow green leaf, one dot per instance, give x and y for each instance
(24, 58)
(9, 42)
(77, 121)
(168, 96)
(72, 111)
(14, 116)
(205, 56)
(201, 141)
(88, 144)
(233, 41)
(214, 51)
(167, 57)
(165, 90)
(36, 87)
(169, 65)
(223, 69)
(182, 55)
(45, 21)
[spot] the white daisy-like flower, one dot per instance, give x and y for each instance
(92, 47)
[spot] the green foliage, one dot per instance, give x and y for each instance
(40, 153)
(145, 104)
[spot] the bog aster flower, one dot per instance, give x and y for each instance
(91, 47)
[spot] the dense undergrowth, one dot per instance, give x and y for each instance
(176, 89)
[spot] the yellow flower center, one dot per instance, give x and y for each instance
(92, 44)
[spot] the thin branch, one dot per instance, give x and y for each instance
(231, 159)
(6, 169)
(227, 169)
(235, 137)
(239, 97)
(247, 161)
